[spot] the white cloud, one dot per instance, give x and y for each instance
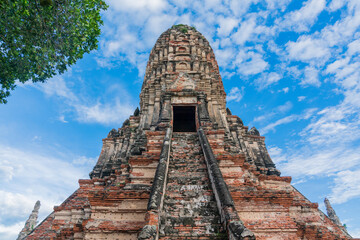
(57, 86)
(285, 90)
(121, 44)
(226, 25)
(238, 8)
(306, 49)
(138, 5)
(311, 77)
(333, 67)
(278, 110)
(336, 4)
(155, 25)
(347, 185)
(224, 56)
(343, 30)
(34, 177)
(354, 47)
(301, 98)
(300, 20)
(62, 119)
(267, 79)
(107, 114)
(337, 124)
(235, 94)
(249, 63)
(306, 114)
(281, 121)
(10, 231)
(285, 107)
(244, 32)
(276, 154)
(110, 112)
(7, 172)
(346, 72)
(278, 4)
(307, 162)
(82, 160)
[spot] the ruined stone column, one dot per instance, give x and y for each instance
(31, 222)
(331, 212)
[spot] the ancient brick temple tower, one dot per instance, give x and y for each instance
(184, 167)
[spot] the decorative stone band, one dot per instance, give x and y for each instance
(151, 229)
(229, 217)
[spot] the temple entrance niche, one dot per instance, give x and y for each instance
(184, 119)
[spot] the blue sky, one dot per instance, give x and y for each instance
(290, 68)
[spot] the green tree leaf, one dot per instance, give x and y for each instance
(42, 38)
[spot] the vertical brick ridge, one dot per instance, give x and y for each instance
(189, 210)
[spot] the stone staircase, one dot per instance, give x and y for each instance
(189, 210)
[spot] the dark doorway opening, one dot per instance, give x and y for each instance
(184, 119)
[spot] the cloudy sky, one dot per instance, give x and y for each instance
(290, 68)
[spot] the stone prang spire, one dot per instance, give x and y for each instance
(331, 212)
(31, 222)
(184, 167)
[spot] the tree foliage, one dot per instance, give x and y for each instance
(41, 38)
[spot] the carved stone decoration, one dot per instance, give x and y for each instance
(182, 82)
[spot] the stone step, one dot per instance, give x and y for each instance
(187, 204)
(201, 220)
(188, 187)
(198, 214)
(178, 237)
(187, 175)
(188, 167)
(189, 159)
(188, 200)
(188, 162)
(182, 181)
(189, 209)
(209, 229)
(191, 194)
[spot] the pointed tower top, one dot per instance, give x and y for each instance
(182, 51)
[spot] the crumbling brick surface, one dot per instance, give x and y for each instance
(268, 204)
(44, 230)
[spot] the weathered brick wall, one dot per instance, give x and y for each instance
(112, 207)
(268, 205)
